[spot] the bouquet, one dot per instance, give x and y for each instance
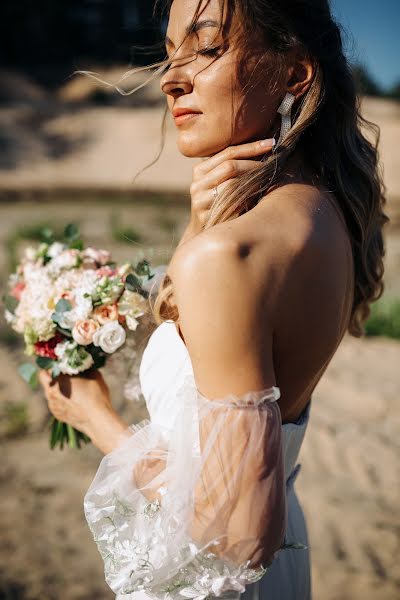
(74, 307)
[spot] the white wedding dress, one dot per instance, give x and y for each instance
(144, 543)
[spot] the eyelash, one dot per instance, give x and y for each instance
(213, 51)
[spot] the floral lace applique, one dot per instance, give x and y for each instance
(204, 574)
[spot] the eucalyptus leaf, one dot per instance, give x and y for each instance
(55, 370)
(10, 303)
(66, 332)
(63, 306)
(47, 235)
(132, 283)
(71, 232)
(43, 362)
(29, 373)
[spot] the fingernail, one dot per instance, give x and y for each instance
(268, 142)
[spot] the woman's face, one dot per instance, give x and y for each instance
(230, 109)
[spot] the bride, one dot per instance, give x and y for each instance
(281, 257)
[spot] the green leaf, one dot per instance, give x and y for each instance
(71, 232)
(46, 235)
(143, 268)
(65, 332)
(132, 283)
(29, 373)
(10, 303)
(55, 370)
(43, 362)
(76, 244)
(56, 317)
(63, 305)
(99, 357)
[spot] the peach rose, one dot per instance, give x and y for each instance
(101, 257)
(106, 313)
(84, 330)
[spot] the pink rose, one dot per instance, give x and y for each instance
(17, 290)
(84, 330)
(106, 271)
(108, 312)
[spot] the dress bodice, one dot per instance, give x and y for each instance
(165, 364)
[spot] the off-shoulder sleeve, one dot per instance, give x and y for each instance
(195, 512)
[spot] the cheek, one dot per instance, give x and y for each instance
(214, 128)
(229, 117)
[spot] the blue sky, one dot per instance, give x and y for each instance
(372, 35)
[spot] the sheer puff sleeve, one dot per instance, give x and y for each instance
(196, 511)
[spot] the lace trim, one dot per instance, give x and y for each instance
(200, 574)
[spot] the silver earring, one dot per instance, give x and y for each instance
(285, 110)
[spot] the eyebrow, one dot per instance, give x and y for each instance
(196, 27)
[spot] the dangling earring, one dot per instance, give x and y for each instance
(285, 110)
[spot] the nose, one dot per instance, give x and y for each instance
(176, 88)
(177, 80)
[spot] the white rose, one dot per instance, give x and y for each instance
(68, 259)
(109, 337)
(55, 249)
(31, 254)
(132, 303)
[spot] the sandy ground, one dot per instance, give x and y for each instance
(349, 483)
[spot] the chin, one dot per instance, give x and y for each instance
(200, 148)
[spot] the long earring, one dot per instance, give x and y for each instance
(285, 110)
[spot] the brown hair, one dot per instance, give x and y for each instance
(326, 127)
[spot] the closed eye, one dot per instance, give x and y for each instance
(210, 51)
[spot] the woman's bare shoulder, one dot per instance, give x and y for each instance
(293, 234)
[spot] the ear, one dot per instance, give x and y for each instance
(300, 74)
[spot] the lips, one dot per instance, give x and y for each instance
(177, 112)
(184, 115)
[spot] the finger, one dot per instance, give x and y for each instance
(227, 170)
(203, 201)
(240, 151)
(44, 378)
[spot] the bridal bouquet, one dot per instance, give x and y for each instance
(74, 307)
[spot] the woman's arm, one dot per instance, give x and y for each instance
(106, 429)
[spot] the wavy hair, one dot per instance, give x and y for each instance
(326, 128)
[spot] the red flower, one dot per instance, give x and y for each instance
(46, 349)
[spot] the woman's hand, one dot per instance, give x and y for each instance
(84, 402)
(219, 170)
(76, 400)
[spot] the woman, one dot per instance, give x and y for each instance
(282, 255)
